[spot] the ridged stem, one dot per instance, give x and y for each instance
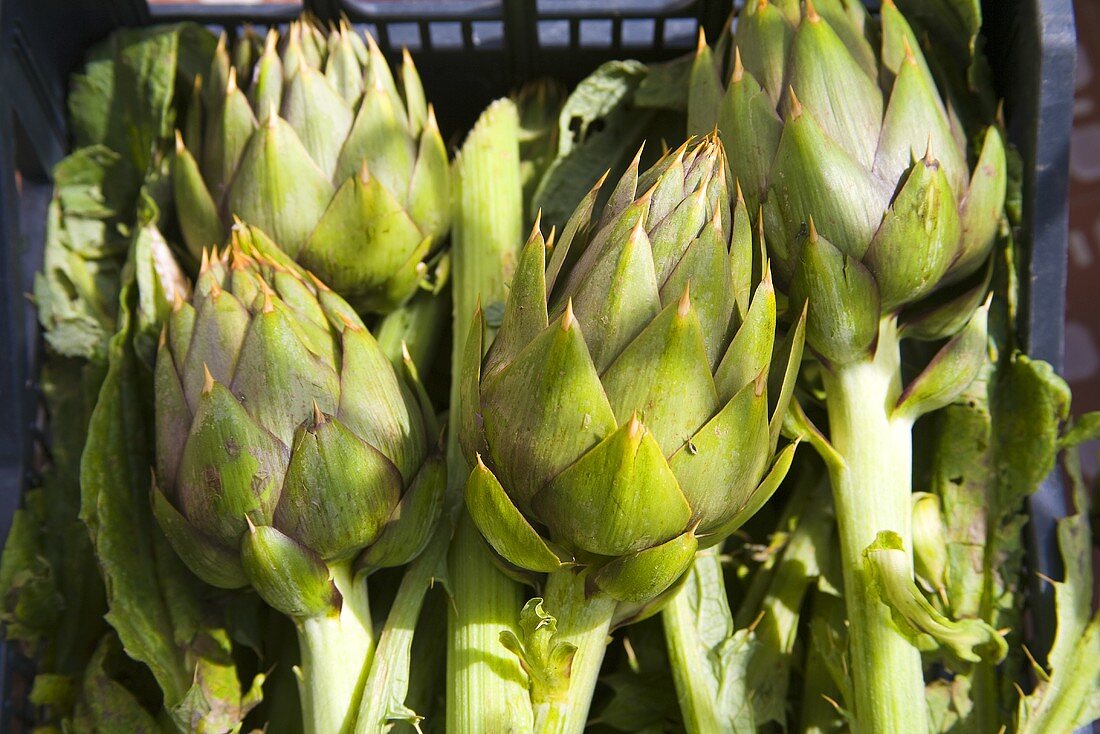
(336, 650)
(872, 492)
(486, 691)
(388, 679)
(585, 623)
(687, 619)
(486, 687)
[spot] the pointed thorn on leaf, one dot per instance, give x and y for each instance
(568, 318)
(683, 308)
(738, 67)
(796, 106)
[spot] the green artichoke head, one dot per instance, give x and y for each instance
(856, 161)
(280, 422)
(622, 415)
(310, 138)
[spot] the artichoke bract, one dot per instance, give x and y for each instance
(858, 165)
(624, 413)
(311, 139)
(284, 434)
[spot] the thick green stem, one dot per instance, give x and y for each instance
(871, 492)
(388, 680)
(336, 651)
(485, 686)
(586, 624)
(695, 615)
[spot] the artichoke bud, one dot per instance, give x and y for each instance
(277, 408)
(929, 542)
(646, 415)
(267, 82)
(311, 139)
(814, 135)
(245, 50)
(198, 214)
(288, 576)
(338, 491)
(841, 297)
(413, 92)
(642, 576)
(748, 123)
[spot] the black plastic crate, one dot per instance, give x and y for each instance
(470, 52)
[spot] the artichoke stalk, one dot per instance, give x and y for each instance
(312, 140)
(879, 220)
(291, 457)
(649, 423)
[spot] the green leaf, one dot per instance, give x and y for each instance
(504, 526)
(598, 129)
(108, 704)
(950, 372)
(619, 497)
(155, 605)
(841, 301)
(1066, 698)
(641, 577)
(546, 661)
(970, 640)
(288, 576)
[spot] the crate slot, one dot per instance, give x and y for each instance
(553, 33)
(446, 35)
(680, 32)
(637, 32)
(487, 34)
(595, 33)
(605, 8)
(403, 35)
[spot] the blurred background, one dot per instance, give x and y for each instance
(1083, 297)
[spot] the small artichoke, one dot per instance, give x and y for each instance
(621, 417)
(858, 165)
(312, 140)
(283, 431)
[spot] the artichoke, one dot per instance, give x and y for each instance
(313, 141)
(621, 417)
(283, 433)
(858, 165)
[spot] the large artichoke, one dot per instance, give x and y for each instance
(313, 141)
(858, 163)
(282, 428)
(621, 416)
